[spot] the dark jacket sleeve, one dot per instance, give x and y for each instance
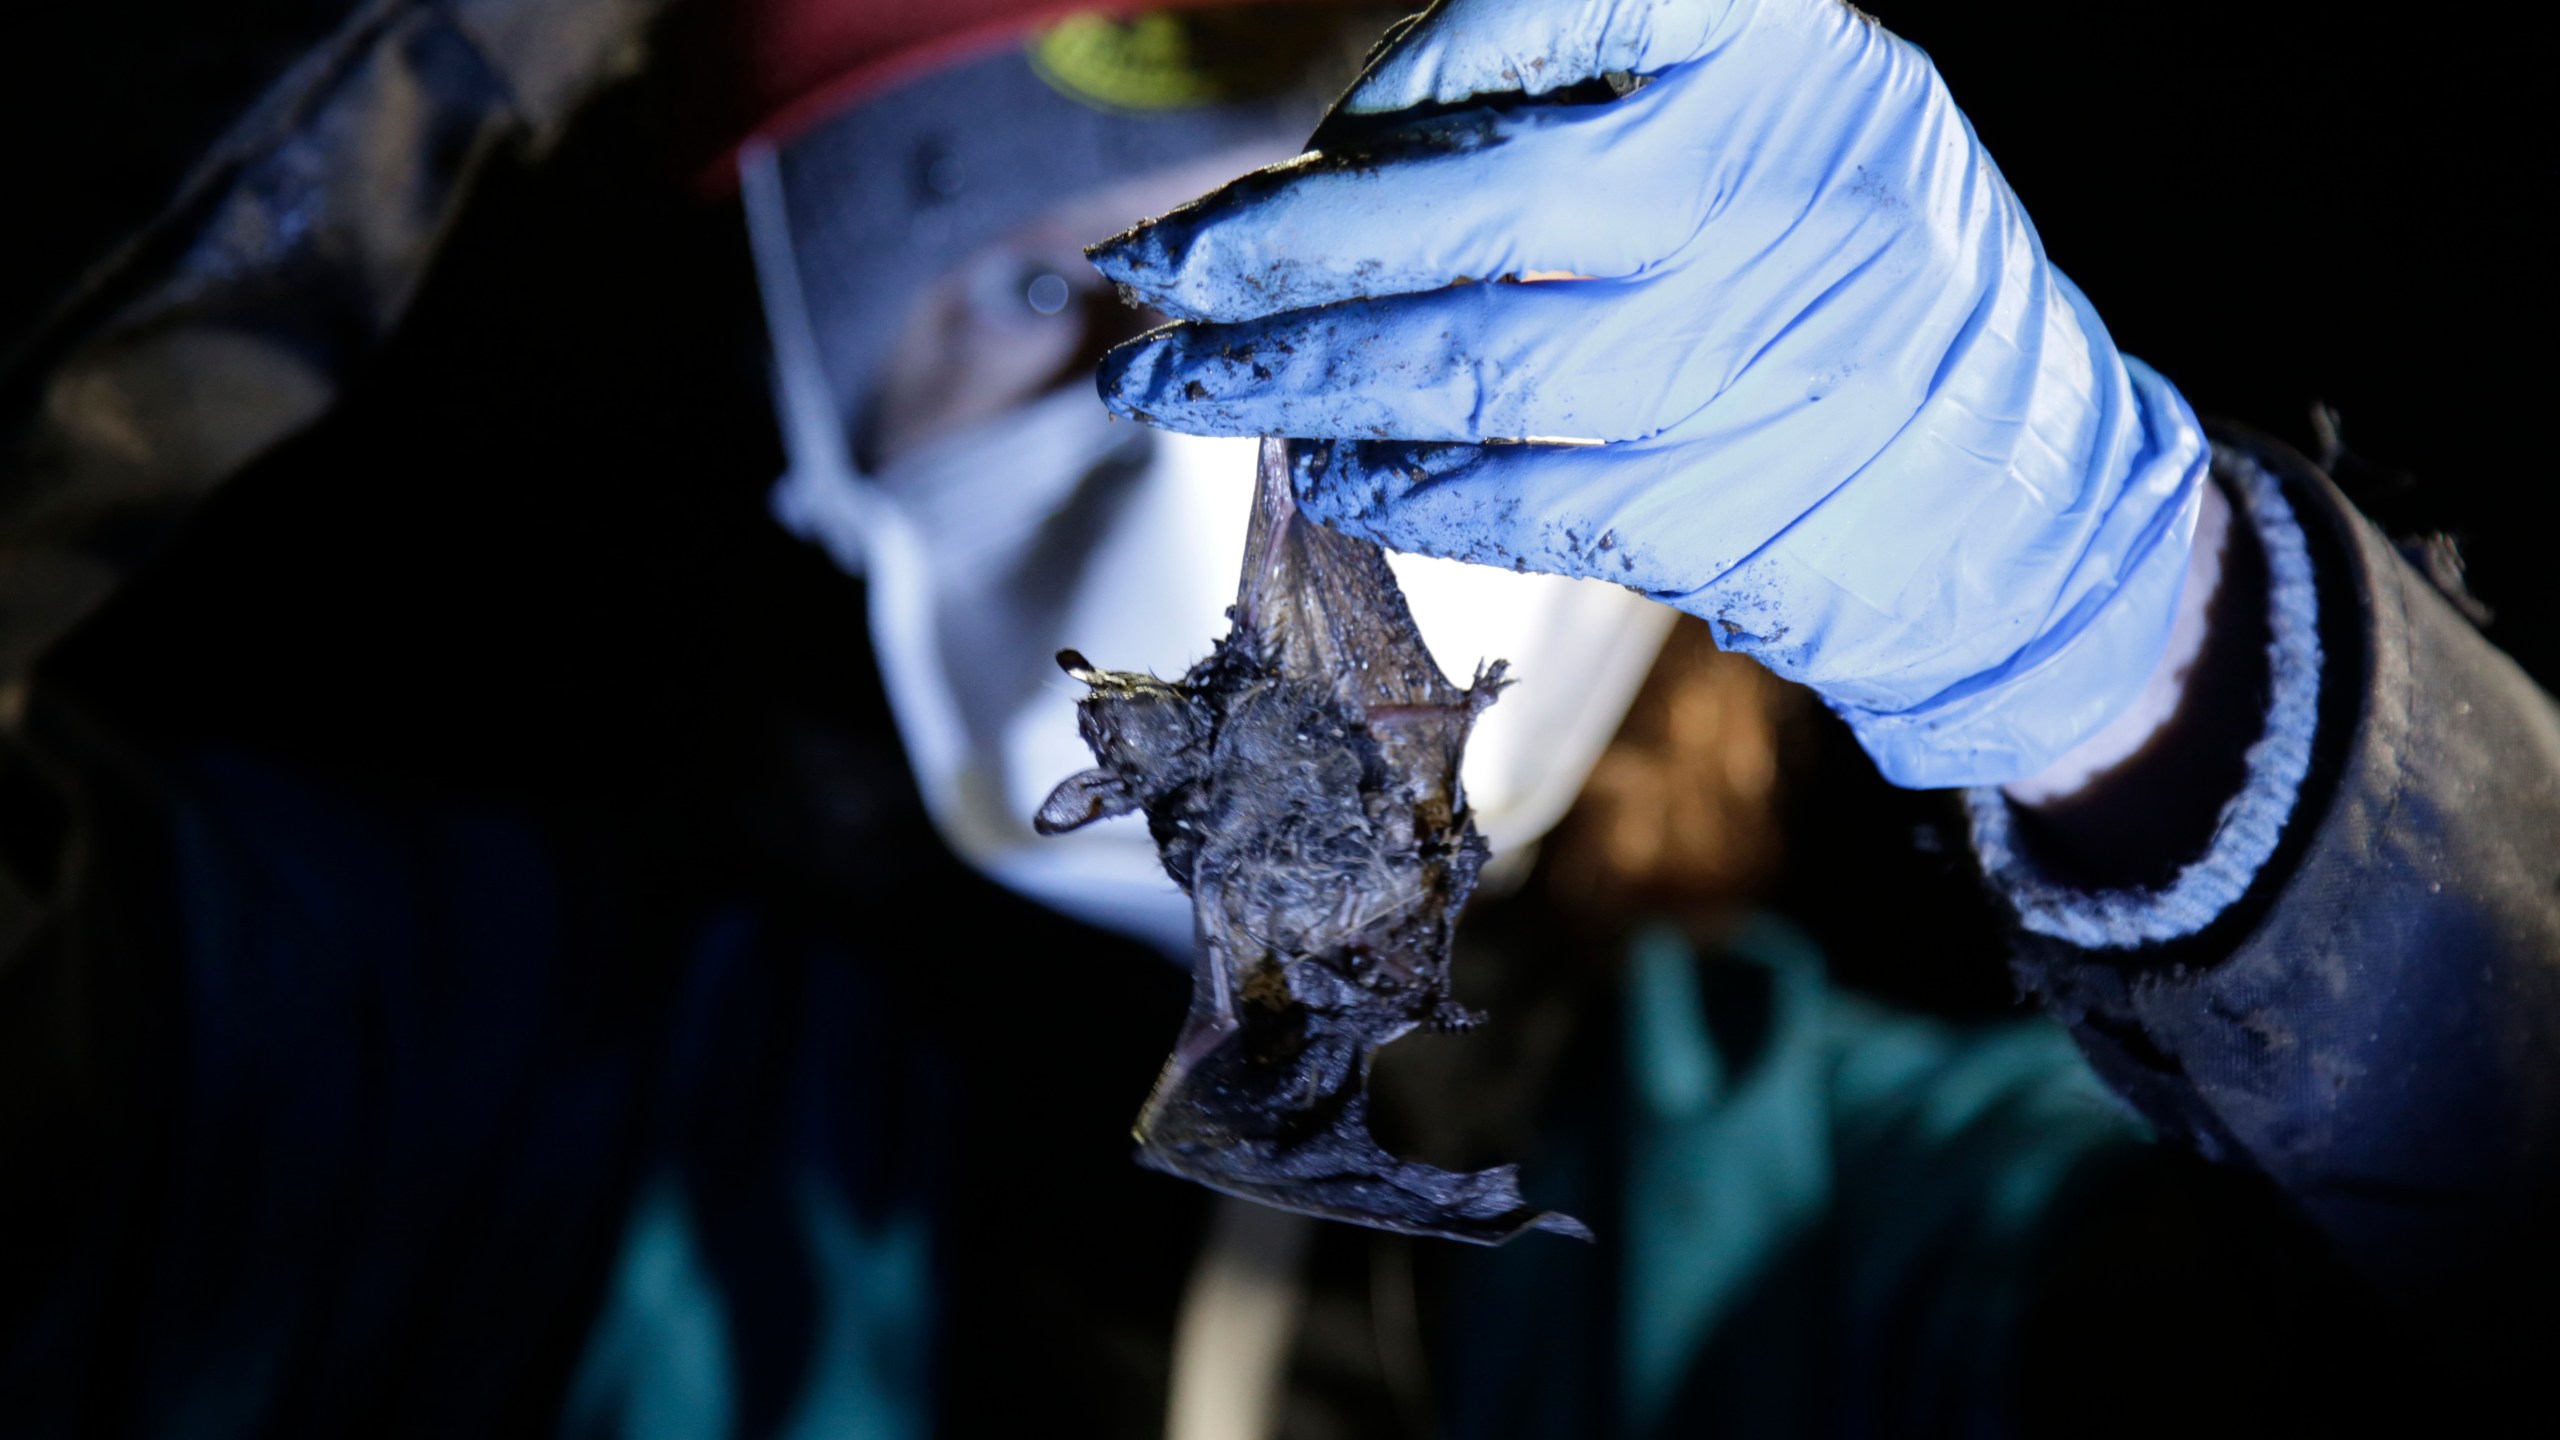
(233, 318)
(2356, 990)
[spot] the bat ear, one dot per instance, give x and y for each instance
(1081, 799)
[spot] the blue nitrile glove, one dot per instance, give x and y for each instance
(1855, 419)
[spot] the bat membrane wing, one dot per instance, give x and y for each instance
(1302, 785)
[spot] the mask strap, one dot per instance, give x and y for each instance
(823, 497)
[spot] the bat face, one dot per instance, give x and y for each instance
(1301, 785)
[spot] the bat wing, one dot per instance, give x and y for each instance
(1323, 605)
(1215, 1121)
(1307, 963)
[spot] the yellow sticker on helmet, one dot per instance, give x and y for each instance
(1179, 61)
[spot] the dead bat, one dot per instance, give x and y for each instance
(1301, 784)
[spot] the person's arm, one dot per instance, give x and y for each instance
(293, 246)
(2351, 979)
(1814, 380)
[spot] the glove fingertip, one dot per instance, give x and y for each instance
(1129, 375)
(1118, 259)
(1145, 272)
(1158, 379)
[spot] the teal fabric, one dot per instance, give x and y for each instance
(1817, 1216)
(661, 1362)
(1897, 1168)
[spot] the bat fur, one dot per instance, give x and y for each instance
(1302, 787)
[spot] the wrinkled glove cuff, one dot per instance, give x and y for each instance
(2251, 822)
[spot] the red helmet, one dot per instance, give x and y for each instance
(770, 69)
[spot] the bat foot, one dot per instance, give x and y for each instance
(1451, 1018)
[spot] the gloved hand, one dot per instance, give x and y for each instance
(1853, 416)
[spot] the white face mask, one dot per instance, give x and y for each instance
(1054, 527)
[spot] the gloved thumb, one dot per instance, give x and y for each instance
(1460, 49)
